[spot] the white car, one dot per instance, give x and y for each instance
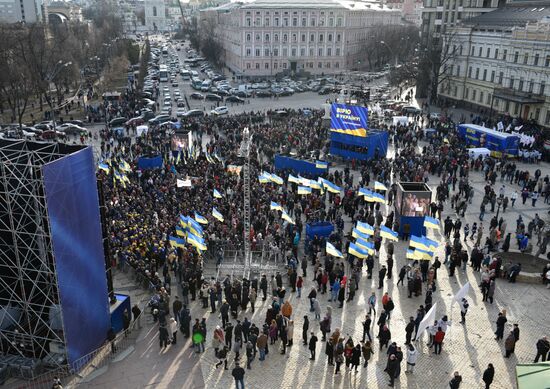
(180, 113)
(220, 111)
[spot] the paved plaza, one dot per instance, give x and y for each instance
(467, 348)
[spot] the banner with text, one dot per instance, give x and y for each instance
(348, 119)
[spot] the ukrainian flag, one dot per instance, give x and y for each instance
(358, 234)
(217, 215)
(264, 178)
(196, 242)
(379, 186)
(304, 190)
(125, 166)
(314, 184)
(180, 231)
(293, 179)
(321, 165)
(418, 242)
(184, 221)
(411, 254)
(103, 166)
(364, 192)
(217, 195)
(275, 206)
(385, 232)
(368, 246)
(357, 251)
(379, 198)
(194, 227)
(331, 250)
(276, 179)
(365, 228)
(286, 217)
(200, 219)
(332, 188)
(423, 254)
(176, 242)
(430, 222)
(431, 244)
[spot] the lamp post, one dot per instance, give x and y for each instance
(49, 78)
(391, 51)
(499, 203)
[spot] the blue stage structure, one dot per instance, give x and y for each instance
(412, 203)
(374, 145)
(298, 166)
(117, 311)
(500, 143)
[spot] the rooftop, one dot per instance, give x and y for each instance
(515, 14)
(303, 4)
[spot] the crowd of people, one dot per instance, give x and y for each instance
(144, 211)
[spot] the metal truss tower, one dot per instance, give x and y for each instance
(30, 319)
(245, 154)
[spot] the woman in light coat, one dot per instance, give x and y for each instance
(290, 332)
(412, 356)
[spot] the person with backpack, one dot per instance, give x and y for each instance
(454, 383)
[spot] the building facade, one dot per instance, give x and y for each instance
(502, 63)
(411, 10)
(264, 38)
(15, 11)
(162, 15)
(440, 15)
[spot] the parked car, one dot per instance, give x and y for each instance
(234, 99)
(159, 119)
(193, 113)
(409, 109)
(180, 112)
(71, 129)
(213, 97)
(137, 121)
(263, 93)
(117, 122)
(197, 96)
(220, 111)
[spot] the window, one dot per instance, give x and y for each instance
(329, 52)
(285, 38)
(547, 120)
(327, 65)
(531, 85)
(275, 52)
(257, 22)
(320, 52)
(312, 38)
(505, 55)
(154, 11)
(257, 37)
(458, 70)
(302, 52)
(520, 85)
(516, 57)
(321, 37)
(337, 52)
(294, 22)
(331, 22)
(470, 72)
(473, 51)
(516, 109)
(488, 101)
(257, 52)
(536, 60)
(304, 22)
(266, 66)
(277, 22)
(285, 52)
(493, 76)
(275, 65)
(547, 62)
(496, 53)
(500, 78)
(511, 85)
(266, 38)
(481, 97)
(312, 22)
(320, 65)
(248, 37)
(479, 51)
(474, 94)
(467, 93)
(285, 22)
(337, 65)
(311, 51)
(276, 37)
(339, 22)
(303, 38)
(329, 37)
(488, 52)
(484, 74)
(284, 65)
(294, 38)
(477, 73)
(266, 22)
(537, 114)
(266, 52)
(338, 37)
(293, 51)
(248, 52)
(542, 86)
(525, 58)
(257, 65)
(248, 22)
(248, 65)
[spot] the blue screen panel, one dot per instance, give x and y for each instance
(73, 208)
(349, 119)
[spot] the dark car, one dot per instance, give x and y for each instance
(197, 96)
(213, 97)
(411, 110)
(325, 90)
(243, 93)
(263, 93)
(117, 122)
(137, 121)
(234, 99)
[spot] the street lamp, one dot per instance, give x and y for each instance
(499, 203)
(49, 78)
(391, 51)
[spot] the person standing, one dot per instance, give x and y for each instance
(409, 330)
(372, 303)
(163, 335)
(238, 374)
(501, 321)
(381, 275)
(454, 383)
(543, 347)
(488, 375)
(438, 340)
(367, 352)
(366, 328)
(312, 345)
(305, 328)
(356, 357)
(510, 344)
(391, 369)
(412, 356)
(463, 310)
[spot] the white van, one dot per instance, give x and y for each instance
(185, 74)
(205, 87)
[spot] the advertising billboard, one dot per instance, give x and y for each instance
(349, 119)
(498, 142)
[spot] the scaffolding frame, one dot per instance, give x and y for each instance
(29, 290)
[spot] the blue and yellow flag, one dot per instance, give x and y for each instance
(418, 242)
(412, 254)
(184, 221)
(385, 232)
(331, 250)
(430, 222)
(194, 227)
(200, 219)
(180, 231)
(217, 215)
(286, 217)
(196, 242)
(124, 166)
(103, 166)
(321, 164)
(378, 198)
(304, 190)
(293, 179)
(276, 179)
(367, 246)
(358, 234)
(217, 195)
(423, 254)
(329, 186)
(275, 206)
(176, 242)
(431, 244)
(264, 178)
(365, 228)
(357, 251)
(379, 186)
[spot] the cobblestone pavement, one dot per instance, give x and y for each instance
(467, 348)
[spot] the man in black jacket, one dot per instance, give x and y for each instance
(238, 374)
(543, 346)
(312, 345)
(381, 275)
(409, 330)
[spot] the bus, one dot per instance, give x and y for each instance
(163, 73)
(185, 74)
(196, 83)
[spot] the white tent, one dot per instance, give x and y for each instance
(142, 129)
(474, 153)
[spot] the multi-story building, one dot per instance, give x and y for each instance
(267, 37)
(162, 15)
(14, 11)
(411, 10)
(502, 62)
(440, 15)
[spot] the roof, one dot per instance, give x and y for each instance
(515, 14)
(301, 4)
(535, 375)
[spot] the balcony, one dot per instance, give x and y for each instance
(509, 94)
